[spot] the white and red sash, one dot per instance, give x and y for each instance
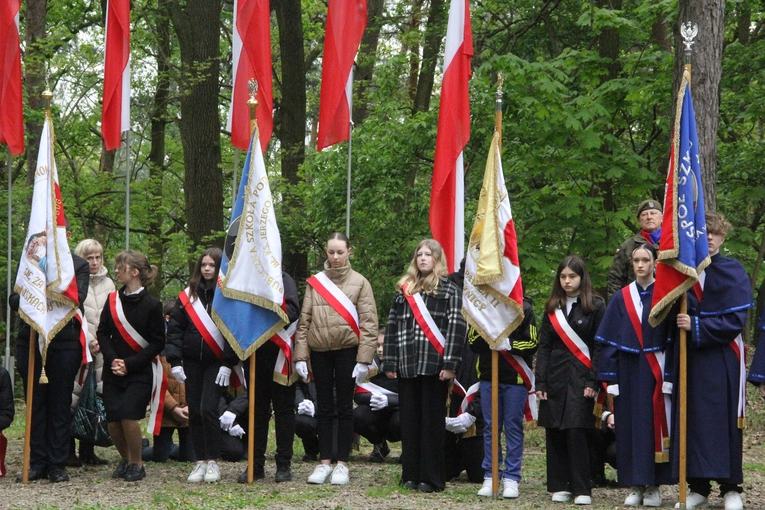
(425, 321)
(336, 299)
(566, 333)
(661, 402)
(137, 342)
(527, 376)
(740, 351)
(203, 322)
(368, 387)
(87, 357)
(284, 369)
(467, 395)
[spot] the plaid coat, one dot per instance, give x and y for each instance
(407, 351)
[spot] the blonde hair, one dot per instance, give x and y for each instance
(88, 246)
(137, 260)
(414, 280)
(717, 224)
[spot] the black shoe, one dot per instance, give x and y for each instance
(379, 453)
(73, 461)
(121, 470)
(93, 460)
(33, 474)
(283, 475)
(426, 487)
(144, 442)
(135, 473)
(57, 474)
(310, 457)
(258, 473)
(412, 486)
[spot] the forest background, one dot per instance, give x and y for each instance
(588, 109)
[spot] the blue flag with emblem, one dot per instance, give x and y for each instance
(248, 306)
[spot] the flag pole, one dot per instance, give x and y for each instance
(252, 103)
(349, 94)
(495, 354)
(8, 267)
(688, 32)
(127, 190)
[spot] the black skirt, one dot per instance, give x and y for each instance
(128, 402)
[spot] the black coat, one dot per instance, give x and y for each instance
(563, 376)
(7, 408)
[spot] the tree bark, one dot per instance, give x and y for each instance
(197, 25)
(291, 123)
(34, 81)
(434, 33)
(705, 81)
(366, 59)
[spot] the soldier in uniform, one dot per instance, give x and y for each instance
(620, 274)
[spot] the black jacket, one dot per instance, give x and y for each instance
(7, 408)
(383, 381)
(68, 339)
(144, 313)
(523, 340)
(293, 313)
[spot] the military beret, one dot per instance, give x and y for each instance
(647, 205)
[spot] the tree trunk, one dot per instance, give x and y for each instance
(413, 38)
(366, 59)
(34, 81)
(291, 124)
(705, 81)
(197, 24)
(158, 123)
(434, 33)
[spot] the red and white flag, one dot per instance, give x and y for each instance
(45, 281)
(447, 198)
(252, 60)
(346, 21)
(492, 299)
(11, 107)
(115, 116)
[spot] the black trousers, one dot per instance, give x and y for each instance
(464, 454)
(51, 404)
(163, 446)
(203, 397)
(703, 486)
(335, 385)
(422, 404)
(268, 395)
(568, 461)
(305, 429)
(377, 426)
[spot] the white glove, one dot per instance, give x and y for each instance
(306, 407)
(227, 420)
(224, 376)
(613, 389)
(178, 373)
(666, 388)
(378, 401)
(504, 346)
(236, 431)
(360, 372)
(301, 367)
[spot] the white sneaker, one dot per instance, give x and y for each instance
(339, 475)
(733, 501)
(635, 498)
(652, 496)
(212, 474)
(321, 474)
(694, 500)
(485, 488)
(583, 500)
(511, 489)
(561, 497)
(198, 474)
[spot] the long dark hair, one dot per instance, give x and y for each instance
(586, 294)
(196, 276)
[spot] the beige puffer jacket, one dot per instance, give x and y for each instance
(99, 288)
(321, 328)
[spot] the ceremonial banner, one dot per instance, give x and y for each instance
(115, 115)
(683, 248)
(45, 281)
(248, 306)
(346, 21)
(252, 59)
(447, 198)
(492, 299)
(11, 107)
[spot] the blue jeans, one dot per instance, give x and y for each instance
(511, 401)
